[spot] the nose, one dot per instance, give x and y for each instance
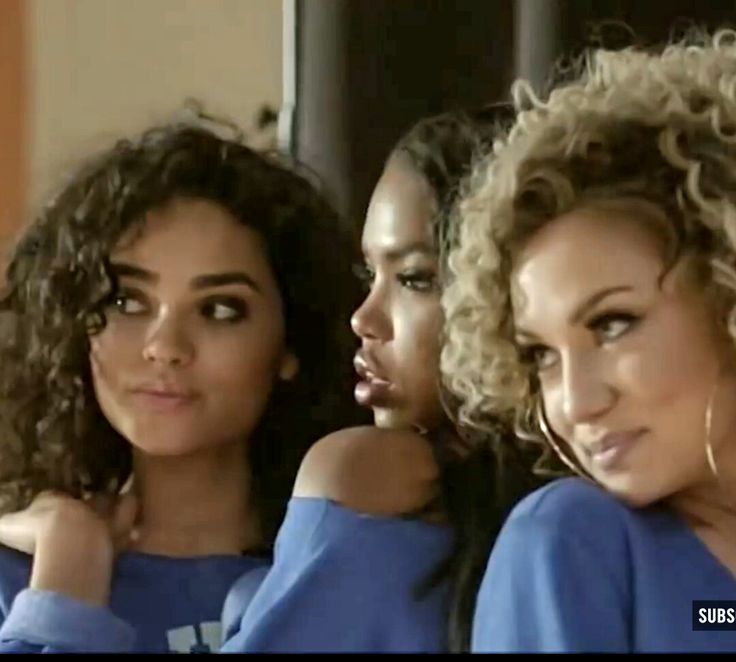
(168, 343)
(372, 321)
(586, 391)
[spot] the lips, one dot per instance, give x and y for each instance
(373, 389)
(163, 397)
(608, 451)
(366, 367)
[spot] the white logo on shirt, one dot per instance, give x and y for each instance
(203, 638)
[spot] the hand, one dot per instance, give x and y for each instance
(53, 514)
(73, 541)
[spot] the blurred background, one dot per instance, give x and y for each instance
(334, 81)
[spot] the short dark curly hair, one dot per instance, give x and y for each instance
(52, 432)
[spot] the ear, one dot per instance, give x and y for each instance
(289, 367)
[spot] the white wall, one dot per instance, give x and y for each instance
(102, 68)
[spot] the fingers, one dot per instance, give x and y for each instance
(16, 532)
(19, 530)
(106, 504)
(118, 514)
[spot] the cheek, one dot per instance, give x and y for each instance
(105, 366)
(417, 332)
(106, 359)
(659, 379)
(654, 376)
(553, 401)
(241, 365)
(669, 367)
(119, 342)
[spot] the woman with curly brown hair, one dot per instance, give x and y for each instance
(177, 339)
(593, 305)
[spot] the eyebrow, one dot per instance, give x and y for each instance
(580, 312)
(592, 301)
(121, 269)
(396, 254)
(225, 278)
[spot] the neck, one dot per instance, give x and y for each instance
(709, 507)
(195, 505)
(706, 506)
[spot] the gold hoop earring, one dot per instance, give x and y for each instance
(549, 436)
(709, 453)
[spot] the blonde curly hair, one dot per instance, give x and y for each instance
(643, 129)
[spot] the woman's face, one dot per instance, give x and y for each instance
(400, 320)
(194, 339)
(626, 360)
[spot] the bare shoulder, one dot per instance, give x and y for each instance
(372, 470)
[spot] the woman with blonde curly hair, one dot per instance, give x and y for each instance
(594, 306)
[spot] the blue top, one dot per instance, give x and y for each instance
(575, 570)
(344, 582)
(158, 604)
(340, 581)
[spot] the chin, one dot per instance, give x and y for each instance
(164, 447)
(392, 419)
(158, 440)
(632, 493)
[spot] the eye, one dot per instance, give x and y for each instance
(418, 280)
(612, 326)
(224, 309)
(538, 356)
(365, 274)
(129, 303)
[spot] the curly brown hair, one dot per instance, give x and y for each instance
(649, 132)
(52, 432)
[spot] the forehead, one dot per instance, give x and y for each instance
(194, 234)
(577, 255)
(401, 209)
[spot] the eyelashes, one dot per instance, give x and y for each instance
(606, 328)
(611, 326)
(224, 309)
(417, 280)
(218, 308)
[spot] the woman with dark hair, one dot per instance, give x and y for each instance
(177, 339)
(410, 219)
(432, 499)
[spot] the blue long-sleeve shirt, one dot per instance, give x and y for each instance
(575, 570)
(340, 581)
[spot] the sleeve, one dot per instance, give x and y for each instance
(343, 581)
(238, 599)
(46, 622)
(556, 584)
